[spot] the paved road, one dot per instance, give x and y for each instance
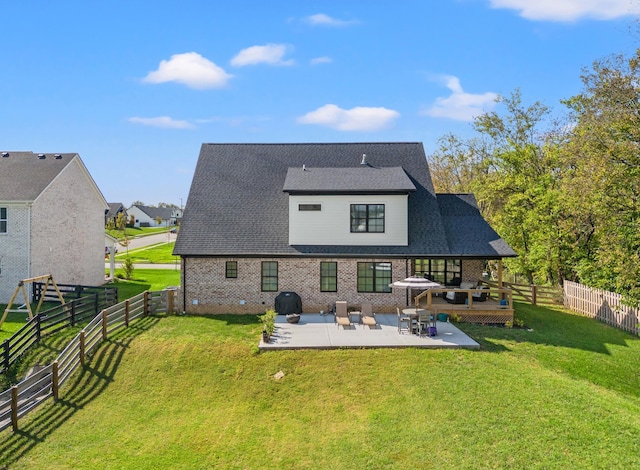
(141, 242)
(135, 243)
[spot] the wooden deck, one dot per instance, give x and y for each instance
(492, 310)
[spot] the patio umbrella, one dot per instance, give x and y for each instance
(415, 282)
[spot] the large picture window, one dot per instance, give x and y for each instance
(269, 276)
(445, 271)
(3, 220)
(328, 276)
(374, 277)
(367, 218)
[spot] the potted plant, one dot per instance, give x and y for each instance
(268, 319)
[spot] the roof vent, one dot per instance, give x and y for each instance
(304, 167)
(5, 154)
(58, 156)
(42, 156)
(364, 159)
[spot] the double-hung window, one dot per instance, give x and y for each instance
(3, 220)
(367, 218)
(269, 276)
(374, 277)
(231, 269)
(328, 276)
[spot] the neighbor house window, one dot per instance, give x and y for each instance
(269, 276)
(374, 277)
(328, 276)
(231, 269)
(445, 271)
(3, 220)
(367, 218)
(309, 207)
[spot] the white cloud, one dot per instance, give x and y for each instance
(570, 10)
(271, 54)
(162, 121)
(354, 119)
(321, 19)
(321, 60)
(190, 69)
(460, 106)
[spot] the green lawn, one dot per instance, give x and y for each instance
(132, 232)
(191, 392)
(154, 254)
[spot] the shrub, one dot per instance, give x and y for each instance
(268, 319)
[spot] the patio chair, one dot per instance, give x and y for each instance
(367, 316)
(425, 320)
(403, 320)
(341, 314)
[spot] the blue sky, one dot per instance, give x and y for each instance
(135, 87)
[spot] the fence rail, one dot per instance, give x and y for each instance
(602, 305)
(45, 383)
(72, 291)
(535, 295)
(51, 321)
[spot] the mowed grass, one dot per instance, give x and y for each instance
(155, 254)
(186, 392)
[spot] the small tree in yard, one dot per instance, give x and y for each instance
(128, 267)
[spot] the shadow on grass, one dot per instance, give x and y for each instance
(85, 385)
(552, 327)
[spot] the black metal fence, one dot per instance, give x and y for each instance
(53, 320)
(71, 291)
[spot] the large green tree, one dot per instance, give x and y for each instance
(603, 155)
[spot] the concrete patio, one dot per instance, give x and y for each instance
(316, 331)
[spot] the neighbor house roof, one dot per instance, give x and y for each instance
(164, 213)
(238, 201)
(24, 175)
(114, 208)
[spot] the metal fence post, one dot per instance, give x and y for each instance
(73, 313)
(126, 312)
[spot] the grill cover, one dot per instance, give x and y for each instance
(287, 303)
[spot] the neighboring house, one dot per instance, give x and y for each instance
(328, 221)
(145, 216)
(51, 221)
(115, 208)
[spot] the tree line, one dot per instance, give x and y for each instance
(563, 192)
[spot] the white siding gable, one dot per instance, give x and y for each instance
(331, 225)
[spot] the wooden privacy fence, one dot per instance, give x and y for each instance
(530, 293)
(46, 382)
(53, 320)
(603, 305)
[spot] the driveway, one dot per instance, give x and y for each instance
(140, 242)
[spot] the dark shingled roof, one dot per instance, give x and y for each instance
(24, 175)
(154, 212)
(467, 231)
(237, 206)
(362, 179)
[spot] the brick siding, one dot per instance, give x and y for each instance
(206, 290)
